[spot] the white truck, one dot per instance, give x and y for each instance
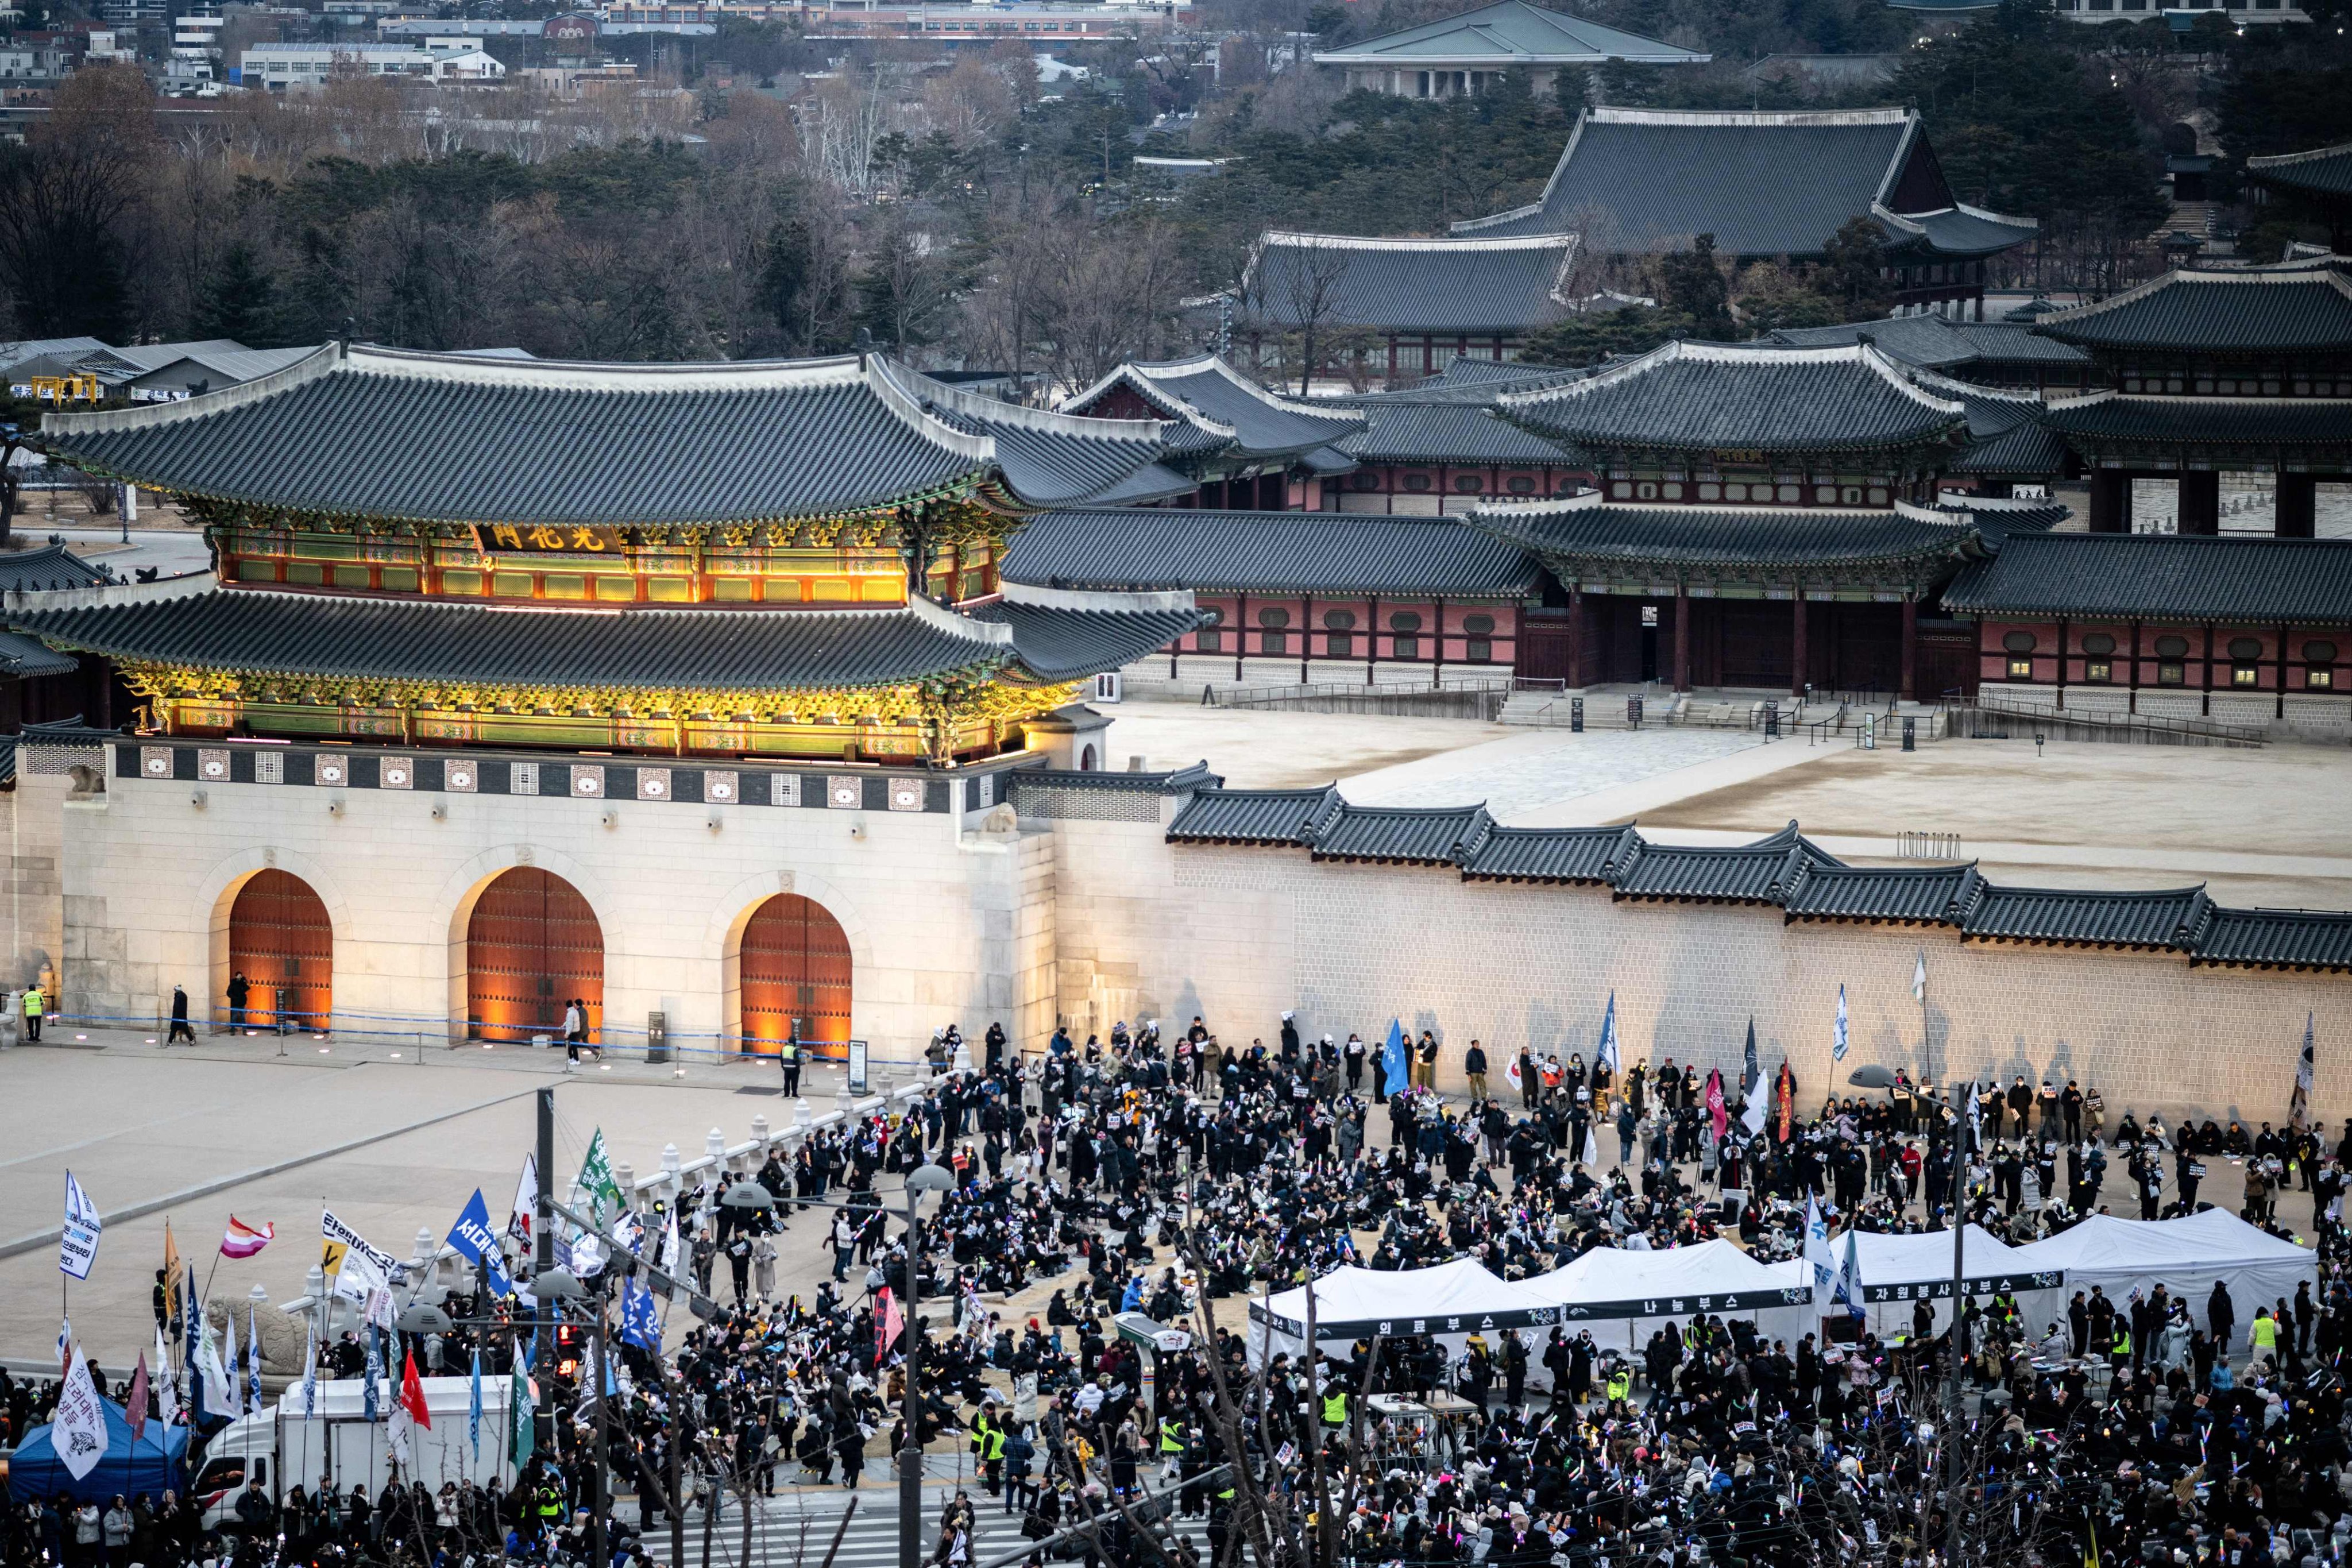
(339, 1447)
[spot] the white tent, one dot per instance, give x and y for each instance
(1898, 1272)
(1451, 1301)
(1644, 1290)
(2186, 1256)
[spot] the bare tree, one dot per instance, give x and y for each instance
(1296, 284)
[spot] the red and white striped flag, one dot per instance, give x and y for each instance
(243, 1240)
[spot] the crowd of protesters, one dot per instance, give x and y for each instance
(1177, 1175)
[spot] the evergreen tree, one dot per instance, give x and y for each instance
(240, 300)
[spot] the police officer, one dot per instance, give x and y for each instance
(789, 1053)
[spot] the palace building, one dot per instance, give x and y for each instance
(735, 701)
(2214, 372)
(444, 551)
(1637, 182)
(515, 677)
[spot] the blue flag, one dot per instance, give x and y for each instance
(473, 1239)
(1392, 1057)
(193, 1310)
(473, 1408)
(640, 1324)
(374, 1371)
(1607, 1055)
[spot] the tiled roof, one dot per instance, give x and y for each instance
(1486, 377)
(1270, 816)
(45, 570)
(26, 657)
(257, 632)
(1586, 528)
(2322, 170)
(1049, 459)
(1935, 343)
(1784, 869)
(1504, 36)
(1548, 853)
(1165, 781)
(1642, 181)
(1272, 552)
(1056, 644)
(2081, 918)
(1995, 518)
(1457, 285)
(2121, 576)
(1706, 396)
(1440, 836)
(1748, 874)
(2276, 938)
(2276, 421)
(2009, 434)
(1227, 411)
(1936, 895)
(1152, 482)
(387, 433)
(2254, 311)
(1401, 428)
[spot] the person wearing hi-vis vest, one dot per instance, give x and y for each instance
(1335, 1406)
(34, 1004)
(788, 1051)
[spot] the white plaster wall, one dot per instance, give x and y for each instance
(1241, 935)
(933, 922)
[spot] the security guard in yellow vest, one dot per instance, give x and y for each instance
(1335, 1406)
(1172, 1436)
(789, 1053)
(1621, 1385)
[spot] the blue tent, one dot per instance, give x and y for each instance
(156, 1463)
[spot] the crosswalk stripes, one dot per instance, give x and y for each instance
(795, 1531)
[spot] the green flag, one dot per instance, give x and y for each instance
(523, 1417)
(596, 1183)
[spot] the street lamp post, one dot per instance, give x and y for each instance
(931, 1178)
(1953, 1104)
(555, 1289)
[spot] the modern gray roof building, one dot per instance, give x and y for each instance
(1464, 55)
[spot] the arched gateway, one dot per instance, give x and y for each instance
(531, 945)
(795, 969)
(281, 940)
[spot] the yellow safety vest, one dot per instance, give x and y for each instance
(1620, 1385)
(1172, 1437)
(789, 1050)
(1335, 1408)
(32, 1001)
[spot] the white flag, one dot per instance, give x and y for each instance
(1920, 977)
(362, 1274)
(77, 1242)
(167, 1390)
(1591, 1154)
(1837, 1042)
(526, 1201)
(1817, 1248)
(77, 1431)
(220, 1395)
